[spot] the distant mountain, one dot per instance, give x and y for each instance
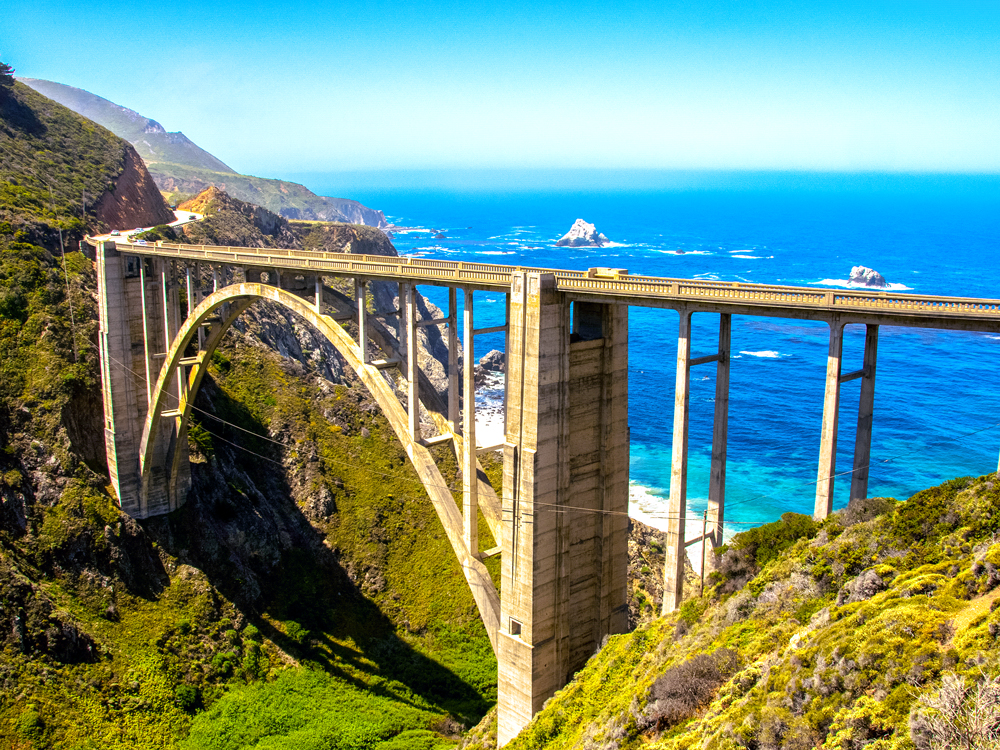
(182, 169)
(150, 139)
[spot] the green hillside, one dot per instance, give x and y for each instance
(150, 139)
(875, 629)
(49, 159)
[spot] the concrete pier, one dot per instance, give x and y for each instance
(866, 416)
(711, 528)
(470, 484)
(565, 496)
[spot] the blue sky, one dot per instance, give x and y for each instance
(269, 89)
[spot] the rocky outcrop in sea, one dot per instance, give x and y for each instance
(582, 234)
(864, 276)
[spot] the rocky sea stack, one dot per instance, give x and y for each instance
(864, 276)
(582, 234)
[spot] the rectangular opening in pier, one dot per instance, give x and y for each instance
(131, 266)
(588, 321)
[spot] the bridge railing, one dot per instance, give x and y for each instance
(431, 270)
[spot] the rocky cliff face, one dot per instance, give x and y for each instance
(134, 201)
(232, 222)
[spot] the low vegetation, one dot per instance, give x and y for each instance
(876, 628)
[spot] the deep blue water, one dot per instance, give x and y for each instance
(935, 235)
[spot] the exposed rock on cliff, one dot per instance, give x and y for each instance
(491, 362)
(582, 234)
(232, 222)
(864, 276)
(135, 201)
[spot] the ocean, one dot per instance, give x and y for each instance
(937, 408)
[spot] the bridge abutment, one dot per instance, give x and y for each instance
(138, 310)
(565, 498)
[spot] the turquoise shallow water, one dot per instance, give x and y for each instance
(935, 235)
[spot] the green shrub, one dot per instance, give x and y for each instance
(187, 697)
(296, 632)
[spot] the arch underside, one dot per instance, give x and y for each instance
(159, 461)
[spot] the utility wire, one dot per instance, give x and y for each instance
(373, 472)
(550, 506)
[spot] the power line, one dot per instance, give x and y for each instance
(373, 472)
(549, 506)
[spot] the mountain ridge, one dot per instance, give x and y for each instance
(182, 169)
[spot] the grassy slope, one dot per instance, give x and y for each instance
(44, 146)
(836, 637)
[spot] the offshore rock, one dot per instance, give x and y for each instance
(582, 234)
(491, 362)
(864, 276)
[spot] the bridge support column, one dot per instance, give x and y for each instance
(673, 569)
(828, 438)
(454, 417)
(120, 303)
(412, 365)
(565, 495)
(720, 436)
(470, 483)
(866, 415)
(361, 299)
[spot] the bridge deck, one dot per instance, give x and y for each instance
(644, 291)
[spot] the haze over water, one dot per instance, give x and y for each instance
(926, 234)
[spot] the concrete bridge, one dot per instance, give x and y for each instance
(562, 521)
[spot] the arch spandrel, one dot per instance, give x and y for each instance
(239, 297)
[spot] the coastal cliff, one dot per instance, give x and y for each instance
(135, 200)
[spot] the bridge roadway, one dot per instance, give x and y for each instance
(561, 523)
(888, 308)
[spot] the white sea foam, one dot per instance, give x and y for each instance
(646, 506)
(747, 257)
(685, 252)
(496, 252)
(850, 285)
(995, 338)
(766, 354)
(489, 410)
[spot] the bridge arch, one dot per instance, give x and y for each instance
(220, 310)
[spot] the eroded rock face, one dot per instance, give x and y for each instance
(135, 201)
(582, 234)
(869, 277)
